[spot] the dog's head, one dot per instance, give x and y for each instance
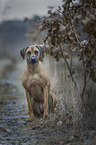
(33, 53)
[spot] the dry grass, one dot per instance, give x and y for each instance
(68, 95)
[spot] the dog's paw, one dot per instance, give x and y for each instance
(31, 117)
(45, 115)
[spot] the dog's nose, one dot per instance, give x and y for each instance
(33, 58)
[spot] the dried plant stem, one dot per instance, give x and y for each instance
(78, 42)
(68, 67)
(84, 86)
(71, 60)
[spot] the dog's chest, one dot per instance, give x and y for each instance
(36, 88)
(34, 79)
(34, 83)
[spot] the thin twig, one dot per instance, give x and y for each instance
(84, 87)
(68, 67)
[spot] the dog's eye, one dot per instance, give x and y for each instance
(36, 52)
(29, 52)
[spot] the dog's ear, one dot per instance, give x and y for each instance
(22, 52)
(42, 51)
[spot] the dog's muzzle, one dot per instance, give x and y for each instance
(33, 60)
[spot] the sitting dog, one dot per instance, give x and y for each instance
(36, 83)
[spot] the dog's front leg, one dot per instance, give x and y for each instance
(30, 107)
(45, 102)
